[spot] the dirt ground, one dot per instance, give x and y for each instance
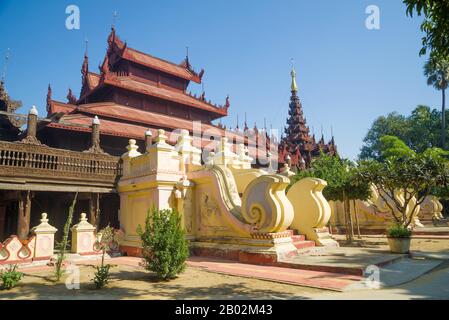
(135, 283)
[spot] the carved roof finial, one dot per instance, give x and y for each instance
(246, 124)
(111, 37)
(85, 66)
(71, 97)
(227, 103)
(203, 93)
(187, 58)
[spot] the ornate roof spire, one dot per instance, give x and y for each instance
(85, 66)
(71, 97)
(187, 58)
(245, 128)
(227, 103)
(48, 98)
(294, 87)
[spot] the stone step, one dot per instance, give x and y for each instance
(300, 237)
(304, 244)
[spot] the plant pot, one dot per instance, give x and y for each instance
(399, 245)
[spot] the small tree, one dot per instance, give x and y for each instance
(415, 176)
(342, 184)
(164, 246)
(106, 237)
(62, 246)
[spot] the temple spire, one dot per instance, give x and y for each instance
(187, 58)
(85, 66)
(294, 87)
(245, 127)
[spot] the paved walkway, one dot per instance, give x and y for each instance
(434, 285)
(346, 260)
(306, 278)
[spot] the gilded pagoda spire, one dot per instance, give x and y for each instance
(294, 87)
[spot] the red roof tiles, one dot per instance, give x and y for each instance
(159, 64)
(132, 84)
(124, 113)
(57, 106)
(93, 80)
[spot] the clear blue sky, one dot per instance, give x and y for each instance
(347, 74)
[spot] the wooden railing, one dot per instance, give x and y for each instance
(21, 160)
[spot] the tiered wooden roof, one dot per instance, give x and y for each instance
(134, 91)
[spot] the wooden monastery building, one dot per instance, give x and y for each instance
(76, 148)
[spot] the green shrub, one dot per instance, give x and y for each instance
(10, 277)
(399, 231)
(164, 246)
(102, 276)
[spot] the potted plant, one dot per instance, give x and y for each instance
(403, 179)
(399, 239)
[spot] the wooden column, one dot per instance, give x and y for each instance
(94, 209)
(24, 214)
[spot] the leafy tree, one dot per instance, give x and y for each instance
(435, 24)
(424, 129)
(419, 131)
(414, 175)
(342, 183)
(393, 124)
(164, 246)
(441, 192)
(436, 70)
(391, 146)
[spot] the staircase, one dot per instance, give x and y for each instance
(300, 242)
